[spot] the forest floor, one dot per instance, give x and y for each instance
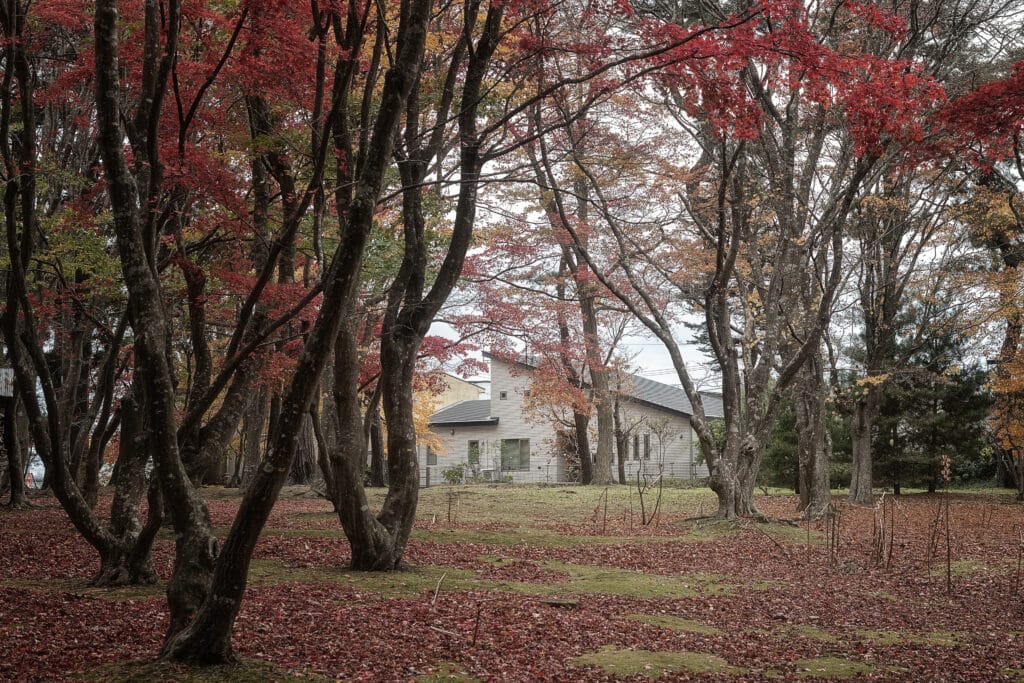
(556, 583)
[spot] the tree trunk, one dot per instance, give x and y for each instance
(621, 442)
(813, 443)
(323, 459)
(724, 483)
(136, 239)
(304, 463)
(734, 478)
(378, 465)
(130, 562)
(598, 386)
(252, 435)
(13, 449)
(581, 423)
(861, 431)
(605, 454)
(372, 544)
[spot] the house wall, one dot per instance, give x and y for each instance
(674, 449)
(673, 445)
(457, 389)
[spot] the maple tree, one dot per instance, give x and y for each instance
(528, 284)
(61, 286)
(989, 121)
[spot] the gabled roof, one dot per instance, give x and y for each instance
(465, 413)
(643, 390)
(671, 398)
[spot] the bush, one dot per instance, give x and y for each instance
(842, 472)
(455, 474)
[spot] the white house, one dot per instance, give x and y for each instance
(494, 439)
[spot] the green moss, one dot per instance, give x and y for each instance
(1014, 674)
(305, 533)
(676, 623)
(81, 588)
(580, 580)
(584, 579)
(447, 671)
(653, 663)
(944, 638)
(398, 584)
(527, 536)
(961, 568)
(838, 668)
(245, 671)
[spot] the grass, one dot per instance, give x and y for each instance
(525, 536)
(302, 533)
(961, 568)
(883, 638)
(674, 623)
(402, 584)
(510, 519)
(540, 505)
(80, 588)
(653, 663)
(837, 668)
(942, 638)
(590, 580)
(580, 580)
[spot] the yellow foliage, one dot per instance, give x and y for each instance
(873, 380)
(425, 405)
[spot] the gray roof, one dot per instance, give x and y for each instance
(639, 389)
(670, 398)
(465, 413)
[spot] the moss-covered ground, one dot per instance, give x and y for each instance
(525, 583)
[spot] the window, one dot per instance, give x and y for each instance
(647, 446)
(502, 395)
(474, 453)
(526, 393)
(515, 454)
(431, 456)
(636, 446)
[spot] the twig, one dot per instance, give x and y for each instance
(453, 634)
(438, 589)
(476, 625)
(770, 538)
(604, 524)
(1020, 557)
(892, 531)
(808, 543)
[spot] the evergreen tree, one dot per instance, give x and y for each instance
(937, 408)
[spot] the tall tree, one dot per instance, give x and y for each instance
(207, 639)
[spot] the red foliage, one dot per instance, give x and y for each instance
(992, 115)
